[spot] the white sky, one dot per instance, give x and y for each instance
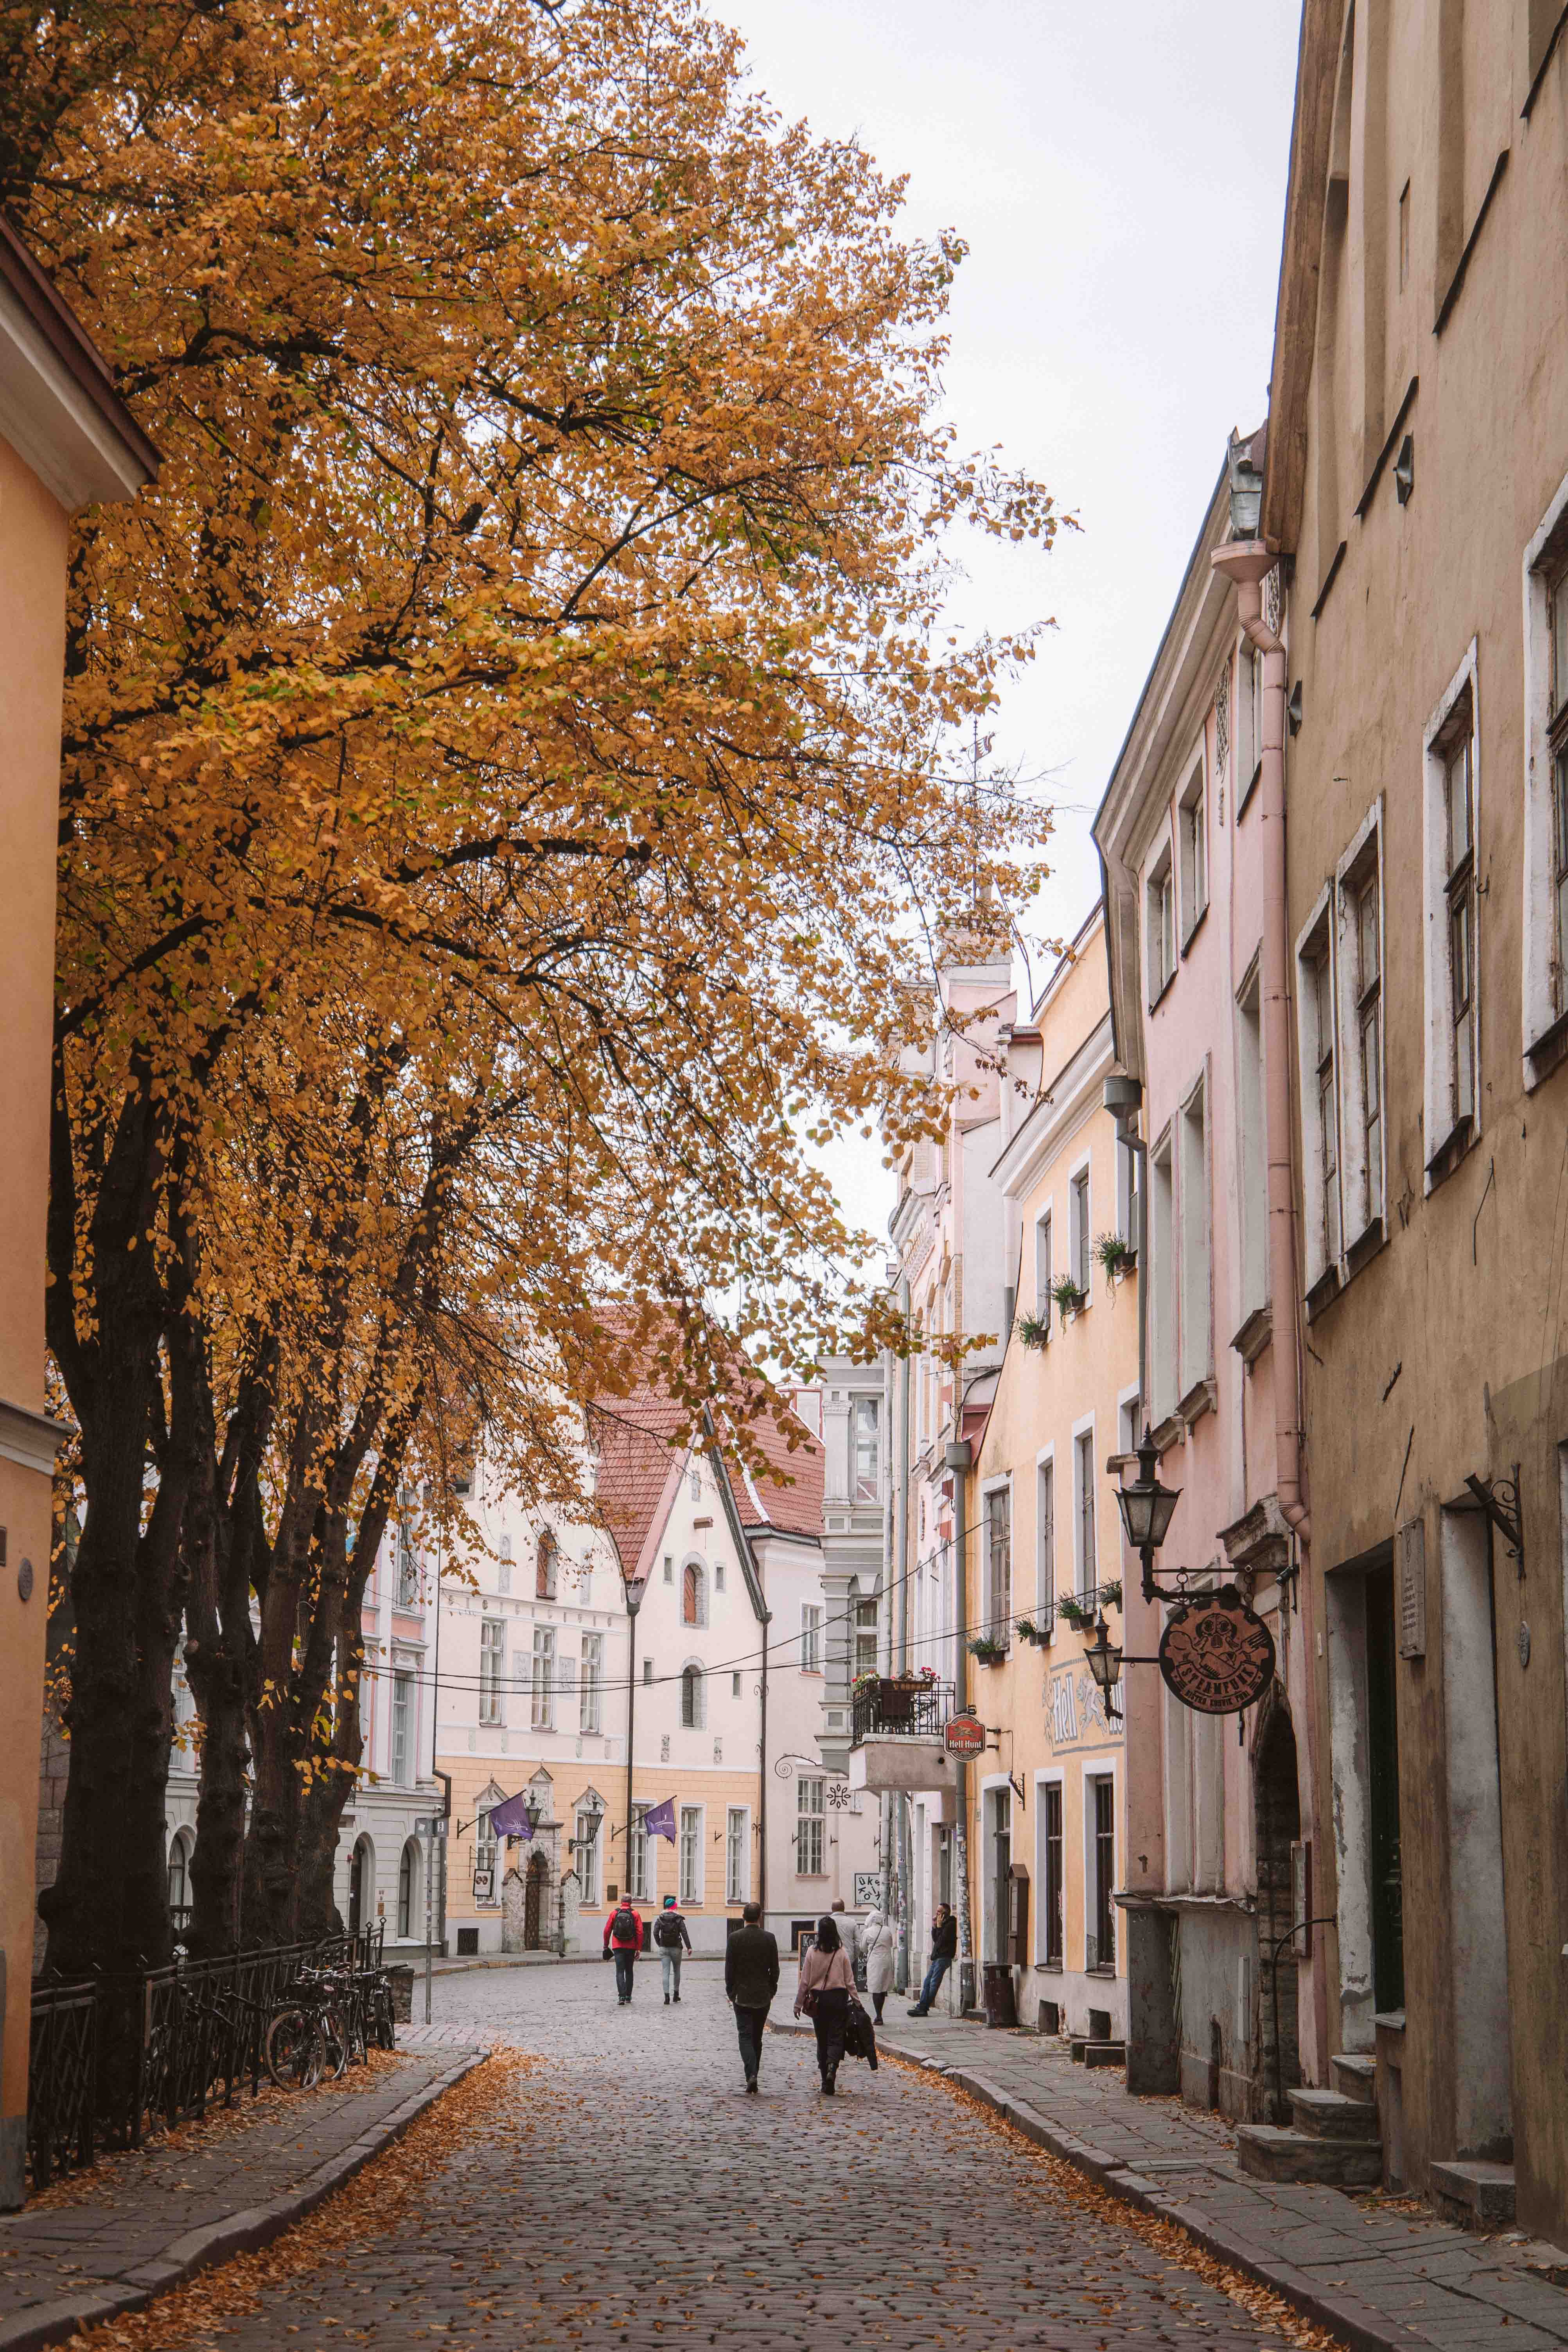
(1118, 174)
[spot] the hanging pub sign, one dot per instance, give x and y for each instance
(963, 1735)
(1216, 1654)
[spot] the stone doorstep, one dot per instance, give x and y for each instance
(1355, 2076)
(1329, 2114)
(1269, 2152)
(219, 2242)
(1477, 2194)
(1085, 2052)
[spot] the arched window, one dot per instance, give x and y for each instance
(544, 1569)
(692, 1698)
(179, 1878)
(407, 1885)
(362, 1886)
(694, 1593)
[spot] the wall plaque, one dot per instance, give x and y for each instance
(1412, 1560)
(1216, 1654)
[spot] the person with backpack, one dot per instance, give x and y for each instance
(623, 1939)
(669, 1934)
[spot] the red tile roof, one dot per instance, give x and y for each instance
(788, 1495)
(641, 1461)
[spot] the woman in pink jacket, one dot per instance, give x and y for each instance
(823, 1992)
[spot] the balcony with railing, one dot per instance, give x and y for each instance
(896, 1737)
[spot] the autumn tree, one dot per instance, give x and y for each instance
(505, 767)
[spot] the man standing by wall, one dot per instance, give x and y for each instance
(750, 1981)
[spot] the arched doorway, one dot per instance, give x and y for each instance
(408, 1889)
(1278, 1822)
(534, 1903)
(362, 1886)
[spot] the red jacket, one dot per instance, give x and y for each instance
(621, 1946)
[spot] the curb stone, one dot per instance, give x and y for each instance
(218, 2241)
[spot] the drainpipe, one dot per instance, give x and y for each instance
(899, 1807)
(634, 1602)
(957, 1456)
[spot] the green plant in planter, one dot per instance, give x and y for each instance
(1068, 1295)
(1077, 1616)
(1033, 1330)
(1117, 1256)
(1029, 1631)
(1111, 1594)
(987, 1650)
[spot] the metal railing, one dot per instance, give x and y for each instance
(114, 2058)
(905, 1710)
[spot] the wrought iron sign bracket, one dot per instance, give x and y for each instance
(1499, 1499)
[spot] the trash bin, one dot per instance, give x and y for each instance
(400, 1976)
(997, 1996)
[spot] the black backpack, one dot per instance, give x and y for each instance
(666, 1930)
(624, 1926)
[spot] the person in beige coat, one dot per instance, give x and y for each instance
(875, 1943)
(823, 1993)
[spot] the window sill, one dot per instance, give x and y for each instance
(1364, 1247)
(1543, 1054)
(1323, 1292)
(1201, 1398)
(1255, 1334)
(1162, 990)
(1048, 1967)
(1169, 1430)
(1099, 1969)
(1244, 802)
(1451, 1151)
(1194, 927)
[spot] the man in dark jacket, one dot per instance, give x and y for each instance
(750, 1981)
(944, 1951)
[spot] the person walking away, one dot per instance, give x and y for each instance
(750, 1981)
(623, 1938)
(944, 1951)
(669, 1933)
(826, 1981)
(876, 1943)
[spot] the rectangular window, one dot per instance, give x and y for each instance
(999, 1564)
(1559, 743)
(492, 1667)
(668, 1569)
(542, 1712)
(637, 1866)
(588, 1833)
(1250, 723)
(734, 1686)
(1101, 1953)
(810, 1825)
(1126, 1193)
(737, 1878)
(1252, 1149)
(810, 1638)
(1078, 1234)
(1055, 1879)
(867, 1471)
(647, 1670)
(718, 1576)
(486, 1857)
(866, 1631)
(1161, 914)
(1043, 1269)
(544, 1567)
(1327, 1127)
(402, 1730)
(1083, 1498)
(590, 1698)
(1163, 1282)
(1360, 980)
(407, 1568)
(691, 1853)
(1460, 891)
(1192, 834)
(1045, 1541)
(1193, 1207)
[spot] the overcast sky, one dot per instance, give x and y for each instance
(1119, 176)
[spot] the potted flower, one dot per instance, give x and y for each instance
(987, 1651)
(1077, 1614)
(1111, 1594)
(1068, 1295)
(1117, 1256)
(1029, 1632)
(1034, 1330)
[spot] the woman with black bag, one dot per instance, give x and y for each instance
(823, 1992)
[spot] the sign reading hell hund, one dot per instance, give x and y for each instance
(1216, 1654)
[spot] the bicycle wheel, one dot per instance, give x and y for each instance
(386, 2025)
(294, 2052)
(334, 2039)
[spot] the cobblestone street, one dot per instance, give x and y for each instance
(629, 2191)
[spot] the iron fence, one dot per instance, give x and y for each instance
(912, 1710)
(115, 2058)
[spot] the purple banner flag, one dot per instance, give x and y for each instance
(659, 1820)
(511, 1820)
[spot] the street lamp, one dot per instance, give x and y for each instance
(1146, 1506)
(1103, 1658)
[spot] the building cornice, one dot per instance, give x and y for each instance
(1061, 1110)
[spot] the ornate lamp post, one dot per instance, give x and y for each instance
(1146, 1506)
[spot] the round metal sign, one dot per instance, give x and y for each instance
(964, 1735)
(1217, 1653)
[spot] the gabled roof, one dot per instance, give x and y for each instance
(787, 1495)
(639, 1468)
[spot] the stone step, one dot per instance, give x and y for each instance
(1474, 2194)
(1326, 2114)
(1269, 2153)
(1355, 2076)
(1085, 2052)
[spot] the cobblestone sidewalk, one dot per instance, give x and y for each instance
(108, 2239)
(1379, 2271)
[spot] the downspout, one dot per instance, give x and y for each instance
(634, 1602)
(763, 1614)
(958, 1456)
(899, 1801)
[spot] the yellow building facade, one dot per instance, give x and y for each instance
(1048, 1801)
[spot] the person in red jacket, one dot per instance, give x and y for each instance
(622, 1937)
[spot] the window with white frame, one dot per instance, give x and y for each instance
(1196, 1243)
(693, 1593)
(999, 1563)
(591, 1696)
(693, 1716)
(542, 1692)
(810, 1637)
(1558, 738)
(1192, 833)
(691, 1853)
(1043, 1269)
(1320, 1106)
(1163, 1282)
(1249, 722)
(1046, 1539)
(1545, 944)
(810, 1825)
(402, 1730)
(1126, 1192)
(1079, 1235)
(588, 1833)
(1358, 966)
(718, 1576)
(1087, 1562)
(737, 1877)
(544, 1567)
(638, 1887)
(867, 1469)
(1452, 1105)
(866, 1635)
(407, 1568)
(668, 1568)
(1251, 1143)
(694, 1480)
(1160, 916)
(493, 1669)
(487, 1853)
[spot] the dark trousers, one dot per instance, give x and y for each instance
(750, 2025)
(830, 2021)
(625, 1961)
(933, 1985)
